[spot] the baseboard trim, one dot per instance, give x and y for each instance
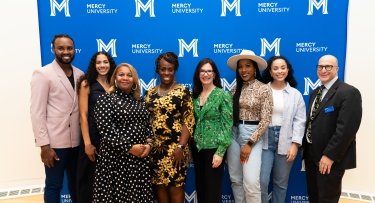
(39, 189)
(21, 191)
(355, 195)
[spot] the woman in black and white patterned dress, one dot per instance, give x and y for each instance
(123, 171)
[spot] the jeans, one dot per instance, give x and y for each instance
(277, 164)
(245, 178)
(55, 175)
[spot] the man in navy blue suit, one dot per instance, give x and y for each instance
(329, 145)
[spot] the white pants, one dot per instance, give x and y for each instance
(245, 178)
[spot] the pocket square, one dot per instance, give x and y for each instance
(329, 109)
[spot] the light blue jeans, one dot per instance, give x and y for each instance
(245, 178)
(277, 164)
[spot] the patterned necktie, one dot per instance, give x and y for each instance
(313, 113)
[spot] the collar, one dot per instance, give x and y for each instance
(330, 83)
(248, 83)
(287, 88)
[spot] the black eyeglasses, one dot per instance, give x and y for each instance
(327, 67)
(209, 72)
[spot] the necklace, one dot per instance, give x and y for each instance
(165, 92)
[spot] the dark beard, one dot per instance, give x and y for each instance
(61, 60)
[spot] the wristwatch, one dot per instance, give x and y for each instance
(180, 146)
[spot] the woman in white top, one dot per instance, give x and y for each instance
(285, 131)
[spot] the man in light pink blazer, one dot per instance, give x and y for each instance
(55, 117)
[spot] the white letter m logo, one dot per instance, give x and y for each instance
(139, 5)
(317, 5)
(275, 45)
(308, 84)
(111, 46)
(235, 5)
(191, 198)
(183, 46)
(64, 5)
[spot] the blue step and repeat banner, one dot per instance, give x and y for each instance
(137, 31)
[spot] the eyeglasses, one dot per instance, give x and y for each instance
(209, 72)
(327, 67)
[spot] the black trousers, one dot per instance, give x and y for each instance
(322, 188)
(208, 180)
(85, 177)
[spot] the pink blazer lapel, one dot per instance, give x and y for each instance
(64, 79)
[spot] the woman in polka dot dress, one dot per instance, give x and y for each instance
(123, 171)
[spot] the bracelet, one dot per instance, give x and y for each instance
(149, 142)
(181, 146)
(250, 143)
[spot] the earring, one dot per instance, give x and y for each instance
(115, 83)
(255, 74)
(134, 88)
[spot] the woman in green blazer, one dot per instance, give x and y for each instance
(213, 130)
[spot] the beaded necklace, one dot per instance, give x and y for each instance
(165, 92)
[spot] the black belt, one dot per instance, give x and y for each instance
(248, 122)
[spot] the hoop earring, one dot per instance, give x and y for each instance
(255, 74)
(115, 83)
(134, 88)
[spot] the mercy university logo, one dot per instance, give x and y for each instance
(192, 198)
(275, 45)
(148, 6)
(317, 5)
(230, 6)
(188, 47)
(111, 46)
(59, 6)
(310, 85)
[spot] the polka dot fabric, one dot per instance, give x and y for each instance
(120, 176)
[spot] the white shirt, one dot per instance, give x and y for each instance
(278, 106)
(328, 85)
(293, 122)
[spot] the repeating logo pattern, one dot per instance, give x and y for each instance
(138, 31)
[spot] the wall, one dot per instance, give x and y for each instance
(20, 54)
(360, 72)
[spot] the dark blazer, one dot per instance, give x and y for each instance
(335, 126)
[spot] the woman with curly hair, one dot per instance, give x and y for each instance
(92, 84)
